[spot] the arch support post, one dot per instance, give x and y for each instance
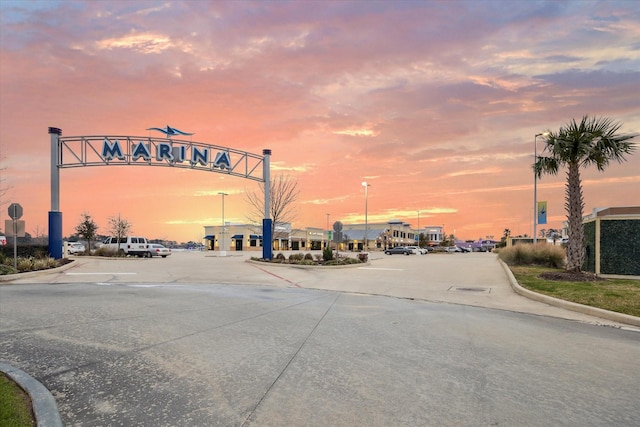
(55, 216)
(267, 224)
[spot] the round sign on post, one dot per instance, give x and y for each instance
(15, 211)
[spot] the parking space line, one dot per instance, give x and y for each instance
(106, 273)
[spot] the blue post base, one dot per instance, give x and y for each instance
(267, 239)
(55, 235)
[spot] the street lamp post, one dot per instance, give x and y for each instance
(535, 185)
(222, 241)
(366, 214)
(418, 227)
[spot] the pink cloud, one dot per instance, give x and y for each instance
(417, 94)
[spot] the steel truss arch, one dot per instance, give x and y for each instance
(82, 151)
(116, 150)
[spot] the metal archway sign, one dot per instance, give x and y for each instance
(116, 150)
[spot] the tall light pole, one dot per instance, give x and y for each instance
(222, 241)
(366, 213)
(418, 227)
(535, 185)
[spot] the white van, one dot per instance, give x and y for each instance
(130, 245)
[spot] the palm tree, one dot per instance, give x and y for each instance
(593, 141)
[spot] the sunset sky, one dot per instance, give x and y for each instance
(434, 103)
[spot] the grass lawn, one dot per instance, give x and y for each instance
(15, 405)
(620, 295)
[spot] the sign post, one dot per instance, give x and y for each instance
(337, 235)
(15, 213)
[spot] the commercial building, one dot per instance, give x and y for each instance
(612, 241)
(355, 237)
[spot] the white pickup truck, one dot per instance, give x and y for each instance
(130, 245)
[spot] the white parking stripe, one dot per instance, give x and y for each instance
(89, 274)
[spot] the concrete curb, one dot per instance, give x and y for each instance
(28, 274)
(45, 408)
(584, 309)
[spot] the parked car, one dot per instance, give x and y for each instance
(75, 247)
(403, 250)
(158, 250)
(453, 249)
(418, 250)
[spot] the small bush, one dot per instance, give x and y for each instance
(24, 264)
(327, 254)
(280, 257)
(43, 263)
(539, 254)
(296, 257)
(7, 269)
(308, 256)
(105, 251)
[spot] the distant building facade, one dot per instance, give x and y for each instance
(356, 237)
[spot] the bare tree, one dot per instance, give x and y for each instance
(119, 227)
(283, 194)
(40, 237)
(87, 228)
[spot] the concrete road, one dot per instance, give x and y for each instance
(195, 340)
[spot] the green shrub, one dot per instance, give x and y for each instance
(327, 254)
(280, 256)
(296, 257)
(538, 254)
(7, 269)
(308, 256)
(43, 263)
(24, 264)
(105, 251)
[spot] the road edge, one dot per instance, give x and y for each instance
(580, 308)
(45, 408)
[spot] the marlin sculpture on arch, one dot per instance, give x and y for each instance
(169, 131)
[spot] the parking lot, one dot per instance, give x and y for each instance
(197, 339)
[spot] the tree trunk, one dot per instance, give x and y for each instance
(574, 205)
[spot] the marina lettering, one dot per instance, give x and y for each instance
(166, 152)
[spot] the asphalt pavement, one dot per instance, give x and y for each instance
(197, 339)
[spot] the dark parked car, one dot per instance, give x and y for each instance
(399, 250)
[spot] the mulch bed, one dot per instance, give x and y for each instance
(566, 276)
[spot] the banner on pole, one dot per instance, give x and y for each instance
(542, 212)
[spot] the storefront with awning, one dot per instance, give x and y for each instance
(232, 237)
